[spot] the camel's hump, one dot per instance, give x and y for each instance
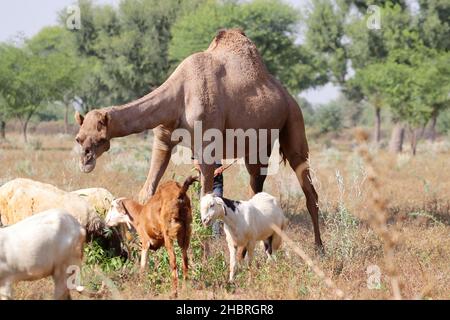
(235, 41)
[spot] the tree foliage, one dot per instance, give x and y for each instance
(40, 70)
(272, 25)
(125, 47)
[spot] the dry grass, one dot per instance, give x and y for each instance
(416, 190)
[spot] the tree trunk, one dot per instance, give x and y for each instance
(24, 131)
(413, 141)
(66, 119)
(397, 136)
(377, 125)
(432, 136)
(25, 127)
(2, 129)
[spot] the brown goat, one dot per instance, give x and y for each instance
(166, 217)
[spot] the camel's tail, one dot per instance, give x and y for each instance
(283, 156)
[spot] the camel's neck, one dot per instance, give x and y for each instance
(160, 107)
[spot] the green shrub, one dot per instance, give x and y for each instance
(329, 118)
(443, 122)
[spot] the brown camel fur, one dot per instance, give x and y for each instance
(225, 87)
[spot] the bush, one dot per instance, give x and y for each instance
(329, 118)
(443, 122)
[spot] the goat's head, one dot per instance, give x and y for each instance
(118, 214)
(211, 208)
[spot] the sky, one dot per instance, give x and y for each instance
(27, 17)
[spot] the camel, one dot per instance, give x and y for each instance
(226, 86)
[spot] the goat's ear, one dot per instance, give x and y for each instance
(222, 204)
(125, 209)
(79, 118)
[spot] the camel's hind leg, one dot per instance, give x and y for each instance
(295, 148)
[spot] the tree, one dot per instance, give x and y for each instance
(3, 117)
(433, 87)
(370, 81)
(373, 46)
(339, 37)
(434, 23)
(57, 44)
(35, 73)
(434, 28)
(272, 25)
(325, 37)
(16, 90)
(125, 49)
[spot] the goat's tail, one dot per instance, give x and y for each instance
(187, 183)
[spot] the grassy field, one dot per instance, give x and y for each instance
(415, 191)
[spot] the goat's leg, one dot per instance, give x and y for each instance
(250, 252)
(173, 264)
(144, 256)
(276, 242)
(161, 152)
(241, 253)
(268, 249)
(62, 291)
(232, 249)
(185, 264)
(184, 238)
(6, 289)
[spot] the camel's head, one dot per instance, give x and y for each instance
(92, 137)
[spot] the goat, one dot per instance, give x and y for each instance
(44, 244)
(22, 198)
(165, 217)
(245, 223)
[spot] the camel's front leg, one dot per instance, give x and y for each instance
(257, 176)
(161, 152)
(207, 179)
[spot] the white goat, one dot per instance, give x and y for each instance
(245, 223)
(39, 246)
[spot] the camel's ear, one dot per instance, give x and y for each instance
(222, 204)
(79, 118)
(125, 209)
